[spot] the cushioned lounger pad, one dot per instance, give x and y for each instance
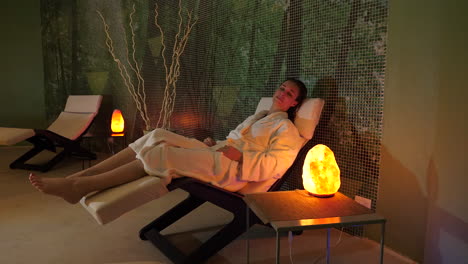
(10, 136)
(105, 206)
(108, 205)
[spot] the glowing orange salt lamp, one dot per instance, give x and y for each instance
(117, 123)
(320, 173)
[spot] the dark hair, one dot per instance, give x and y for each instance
(299, 99)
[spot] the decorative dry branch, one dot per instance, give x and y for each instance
(172, 70)
(131, 70)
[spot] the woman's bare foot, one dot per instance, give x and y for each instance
(61, 187)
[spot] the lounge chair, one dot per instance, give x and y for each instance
(63, 136)
(107, 205)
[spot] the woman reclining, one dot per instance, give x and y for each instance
(262, 147)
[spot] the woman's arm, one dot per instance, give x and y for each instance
(284, 144)
(231, 153)
(209, 142)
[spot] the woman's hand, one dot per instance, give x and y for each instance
(209, 142)
(231, 153)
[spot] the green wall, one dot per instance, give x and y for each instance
(423, 169)
(21, 74)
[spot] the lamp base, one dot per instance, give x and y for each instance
(322, 195)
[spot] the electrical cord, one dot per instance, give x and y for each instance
(290, 236)
(334, 246)
(290, 239)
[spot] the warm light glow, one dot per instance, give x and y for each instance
(117, 123)
(320, 173)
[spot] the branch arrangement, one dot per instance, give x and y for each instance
(131, 70)
(172, 70)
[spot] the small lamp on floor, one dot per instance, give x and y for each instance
(117, 123)
(320, 173)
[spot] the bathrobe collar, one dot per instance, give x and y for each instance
(272, 116)
(264, 117)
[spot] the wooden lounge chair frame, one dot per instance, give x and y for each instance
(47, 139)
(201, 192)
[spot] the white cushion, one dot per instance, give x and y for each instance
(83, 103)
(307, 117)
(10, 136)
(105, 206)
(78, 114)
(71, 125)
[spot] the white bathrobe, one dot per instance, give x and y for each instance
(269, 145)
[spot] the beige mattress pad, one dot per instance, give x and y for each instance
(10, 136)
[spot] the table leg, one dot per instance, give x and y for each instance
(247, 233)
(277, 247)
(328, 246)
(382, 238)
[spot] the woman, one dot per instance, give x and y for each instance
(262, 147)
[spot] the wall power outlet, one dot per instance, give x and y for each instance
(363, 201)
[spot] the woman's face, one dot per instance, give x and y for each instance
(285, 96)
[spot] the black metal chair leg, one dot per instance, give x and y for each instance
(19, 162)
(171, 216)
(219, 240)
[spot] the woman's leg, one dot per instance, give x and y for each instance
(122, 157)
(72, 189)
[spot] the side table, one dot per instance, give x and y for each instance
(111, 139)
(114, 137)
(297, 210)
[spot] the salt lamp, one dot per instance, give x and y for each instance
(117, 123)
(320, 173)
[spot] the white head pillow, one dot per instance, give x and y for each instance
(83, 103)
(307, 117)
